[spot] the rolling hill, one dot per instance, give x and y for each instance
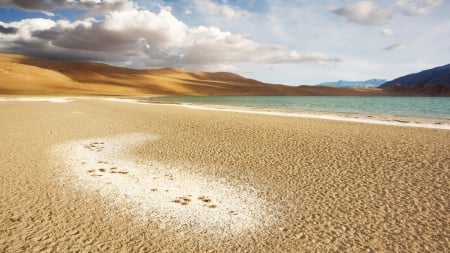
(23, 75)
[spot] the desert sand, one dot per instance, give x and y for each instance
(25, 75)
(91, 175)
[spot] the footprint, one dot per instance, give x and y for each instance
(207, 200)
(182, 200)
(168, 176)
(167, 192)
(204, 199)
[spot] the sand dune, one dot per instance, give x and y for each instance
(29, 75)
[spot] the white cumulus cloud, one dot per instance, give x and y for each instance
(364, 13)
(418, 7)
(221, 10)
(386, 32)
(142, 38)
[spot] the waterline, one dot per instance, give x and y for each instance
(426, 107)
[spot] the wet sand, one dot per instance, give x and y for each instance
(95, 176)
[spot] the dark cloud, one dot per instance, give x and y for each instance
(93, 38)
(43, 5)
(8, 30)
(49, 5)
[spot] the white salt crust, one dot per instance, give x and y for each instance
(153, 191)
(37, 99)
(319, 116)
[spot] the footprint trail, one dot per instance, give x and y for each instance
(160, 192)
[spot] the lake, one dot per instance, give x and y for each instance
(431, 107)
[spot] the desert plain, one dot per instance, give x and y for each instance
(92, 175)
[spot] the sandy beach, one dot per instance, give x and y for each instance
(93, 175)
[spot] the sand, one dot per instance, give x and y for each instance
(49, 77)
(91, 175)
(159, 191)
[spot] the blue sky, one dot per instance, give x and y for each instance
(278, 41)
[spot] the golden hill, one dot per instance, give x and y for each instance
(34, 76)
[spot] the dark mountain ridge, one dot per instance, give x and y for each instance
(439, 76)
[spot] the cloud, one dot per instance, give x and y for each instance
(206, 45)
(48, 13)
(394, 46)
(220, 68)
(364, 13)
(7, 30)
(49, 5)
(386, 32)
(418, 7)
(142, 38)
(222, 10)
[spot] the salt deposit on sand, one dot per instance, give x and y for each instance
(151, 190)
(391, 121)
(388, 120)
(36, 99)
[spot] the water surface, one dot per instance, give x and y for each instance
(431, 107)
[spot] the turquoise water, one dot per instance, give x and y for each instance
(432, 107)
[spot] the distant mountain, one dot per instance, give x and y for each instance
(430, 82)
(435, 76)
(355, 84)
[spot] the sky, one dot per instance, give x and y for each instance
(291, 42)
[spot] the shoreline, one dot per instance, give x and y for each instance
(388, 120)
